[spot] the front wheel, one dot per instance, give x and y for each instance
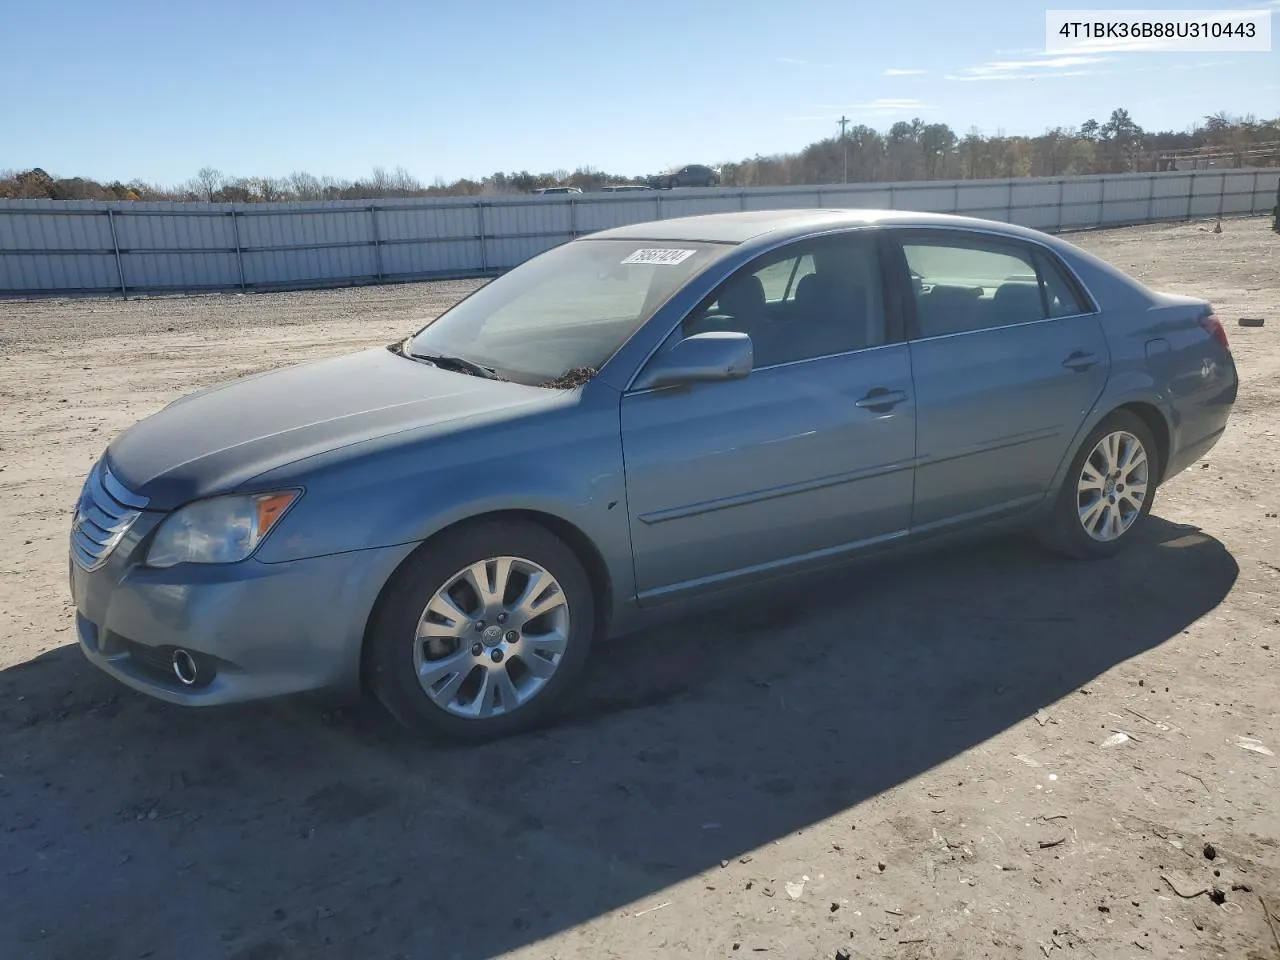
(479, 634)
(1107, 492)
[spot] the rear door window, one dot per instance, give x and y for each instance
(964, 282)
(1063, 301)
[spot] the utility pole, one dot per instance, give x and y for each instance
(844, 141)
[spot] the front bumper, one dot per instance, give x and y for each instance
(256, 629)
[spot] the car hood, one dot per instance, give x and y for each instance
(222, 437)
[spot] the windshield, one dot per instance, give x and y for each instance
(565, 311)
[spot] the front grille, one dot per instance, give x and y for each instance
(103, 516)
(155, 659)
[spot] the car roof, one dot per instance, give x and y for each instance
(747, 225)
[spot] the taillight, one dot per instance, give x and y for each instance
(1213, 326)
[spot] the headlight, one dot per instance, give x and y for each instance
(218, 530)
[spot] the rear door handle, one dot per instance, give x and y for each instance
(880, 398)
(1080, 361)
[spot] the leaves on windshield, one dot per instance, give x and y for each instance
(571, 378)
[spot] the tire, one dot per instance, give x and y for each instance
(469, 699)
(1077, 512)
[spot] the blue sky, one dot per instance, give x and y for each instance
(115, 89)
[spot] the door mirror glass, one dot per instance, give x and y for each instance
(701, 358)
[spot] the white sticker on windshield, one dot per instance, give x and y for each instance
(660, 256)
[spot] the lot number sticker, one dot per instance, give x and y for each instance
(660, 256)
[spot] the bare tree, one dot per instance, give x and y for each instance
(379, 184)
(404, 184)
(305, 186)
(210, 180)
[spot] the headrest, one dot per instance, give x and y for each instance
(743, 296)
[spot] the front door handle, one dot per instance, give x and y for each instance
(1080, 361)
(880, 398)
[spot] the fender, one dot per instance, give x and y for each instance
(1131, 385)
(411, 487)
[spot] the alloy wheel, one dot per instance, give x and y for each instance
(1112, 486)
(490, 638)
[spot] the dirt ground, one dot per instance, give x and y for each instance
(921, 761)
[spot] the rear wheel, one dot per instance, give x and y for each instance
(1108, 490)
(481, 632)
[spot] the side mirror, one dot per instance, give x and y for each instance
(702, 358)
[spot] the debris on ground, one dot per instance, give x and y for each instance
(1210, 851)
(665, 903)
(1255, 746)
(1189, 892)
(1252, 321)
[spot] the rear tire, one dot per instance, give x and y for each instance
(481, 632)
(1107, 491)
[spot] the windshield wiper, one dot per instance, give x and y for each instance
(459, 363)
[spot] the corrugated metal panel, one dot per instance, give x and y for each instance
(852, 198)
(56, 245)
(427, 259)
(931, 198)
(1264, 193)
(175, 231)
(58, 273)
(1121, 203)
(694, 206)
(983, 196)
(44, 230)
(417, 223)
(294, 229)
(181, 271)
(280, 267)
(1172, 185)
(594, 215)
(877, 198)
(506, 252)
(547, 217)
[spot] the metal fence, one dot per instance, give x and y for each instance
(55, 247)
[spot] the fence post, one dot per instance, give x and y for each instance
(659, 213)
(377, 246)
(115, 247)
(484, 250)
(1008, 209)
(742, 199)
(235, 233)
(1062, 203)
(1253, 194)
(1102, 203)
(955, 198)
(1222, 192)
(819, 197)
(891, 199)
(1191, 193)
(573, 218)
(1151, 197)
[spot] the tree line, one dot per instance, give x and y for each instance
(908, 150)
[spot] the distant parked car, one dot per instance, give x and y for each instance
(558, 190)
(692, 175)
(636, 421)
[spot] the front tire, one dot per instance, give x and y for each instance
(480, 633)
(1107, 492)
